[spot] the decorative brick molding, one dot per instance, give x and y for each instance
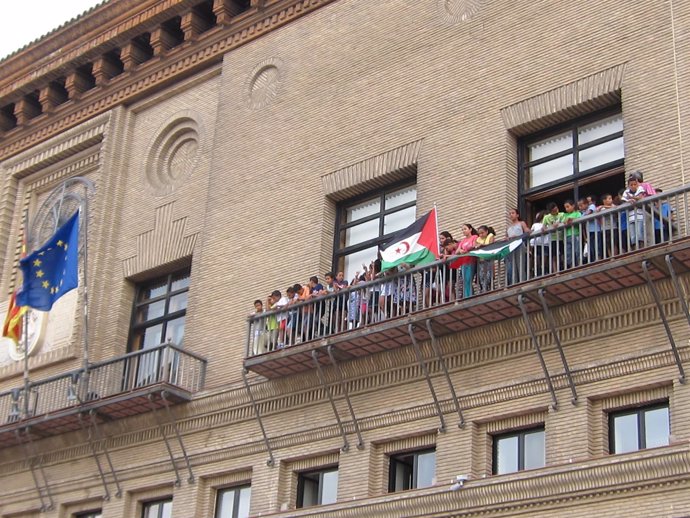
(377, 171)
(164, 244)
(174, 153)
(20, 183)
(655, 469)
(561, 104)
(181, 62)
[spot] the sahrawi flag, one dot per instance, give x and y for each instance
(497, 250)
(414, 245)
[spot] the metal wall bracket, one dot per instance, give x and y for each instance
(161, 428)
(42, 487)
(327, 388)
(437, 351)
(662, 314)
(425, 371)
(557, 340)
(271, 460)
(537, 347)
(346, 394)
(94, 436)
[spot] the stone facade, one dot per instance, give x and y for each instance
(229, 152)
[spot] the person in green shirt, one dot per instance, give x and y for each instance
(573, 245)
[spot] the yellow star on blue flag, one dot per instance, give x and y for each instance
(56, 272)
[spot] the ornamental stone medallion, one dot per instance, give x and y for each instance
(456, 11)
(173, 154)
(264, 82)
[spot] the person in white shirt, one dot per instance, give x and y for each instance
(636, 216)
(541, 245)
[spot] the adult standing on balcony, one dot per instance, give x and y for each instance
(515, 264)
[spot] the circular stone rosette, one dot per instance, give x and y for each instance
(264, 82)
(456, 11)
(173, 154)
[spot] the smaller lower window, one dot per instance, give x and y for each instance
(89, 514)
(520, 450)
(639, 428)
(317, 487)
(233, 502)
(157, 509)
(412, 470)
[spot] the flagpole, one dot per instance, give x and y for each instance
(438, 242)
(25, 239)
(84, 223)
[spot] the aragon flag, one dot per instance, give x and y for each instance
(414, 245)
(12, 328)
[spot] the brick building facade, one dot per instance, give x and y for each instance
(227, 147)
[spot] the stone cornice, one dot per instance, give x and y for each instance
(155, 73)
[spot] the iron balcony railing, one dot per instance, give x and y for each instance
(602, 236)
(165, 363)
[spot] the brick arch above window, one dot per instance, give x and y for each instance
(382, 170)
(581, 97)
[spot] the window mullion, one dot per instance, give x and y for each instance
(236, 505)
(641, 441)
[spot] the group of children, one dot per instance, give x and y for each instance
(460, 277)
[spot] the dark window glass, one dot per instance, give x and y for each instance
(412, 470)
(519, 450)
(89, 514)
(584, 157)
(365, 222)
(159, 311)
(157, 509)
(317, 487)
(639, 428)
(233, 502)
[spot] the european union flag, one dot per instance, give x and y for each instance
(52, 270)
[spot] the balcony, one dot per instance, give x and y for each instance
(427, 302)
(132, 384)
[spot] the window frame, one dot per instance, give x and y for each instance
(640, 411)
(394, 458)
(236, 500)
(341, 211)
(301, 475)
(94, 513)
(577, 179)
(520, 434)
(137, 330)
(159, 501)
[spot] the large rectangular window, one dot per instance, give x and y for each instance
(519, 450)
(365, 222)
(639, 428)
(317, 487)
(583, 157)
(412, 470)
(233, 502)
(159, 312)
(89, 514)
(157, 509)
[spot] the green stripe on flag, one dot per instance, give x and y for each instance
(415, 259)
